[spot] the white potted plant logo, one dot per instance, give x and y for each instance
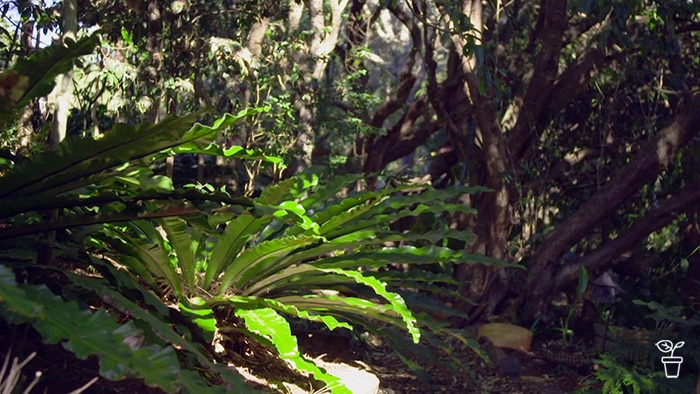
(672, 365)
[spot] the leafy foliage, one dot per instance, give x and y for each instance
(616, 378)
(85, 333)
(315, 258)
(633, 359)
(553, 102)
(267, 322)
(35, 76)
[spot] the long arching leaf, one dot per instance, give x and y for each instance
(78, 162)
(86, 333)
(242, 229)
(395, 300)
(82, 161)
(331, 322)
(230, 244)
(35, 76)
(370, 219)
(350, 308)
(148, 254)
(410, 255)
(299, 278)
(183, 245)
(255, 260)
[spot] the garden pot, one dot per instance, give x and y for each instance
(672, 366)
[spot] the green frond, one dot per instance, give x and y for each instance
(395, 300)
(267, 322)
(261, 259)
(252, 302)
(238, 232)
(85, 333)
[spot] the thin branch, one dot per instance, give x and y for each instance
(395, 103)
(9, 382)
(85, 386)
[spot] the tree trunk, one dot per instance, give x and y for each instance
(323, 42)
(64, 86)
(486, 285)
(25, 129)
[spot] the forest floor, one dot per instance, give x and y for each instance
(62, 372)
(536, 375)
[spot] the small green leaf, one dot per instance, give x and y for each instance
(582, 282)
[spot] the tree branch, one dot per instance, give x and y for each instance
(537, 95)
(407, 79)
(402, 139)
(655, 220)
(395, 103)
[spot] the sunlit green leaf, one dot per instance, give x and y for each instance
(267, 322)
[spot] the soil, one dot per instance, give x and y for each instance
(62, 372)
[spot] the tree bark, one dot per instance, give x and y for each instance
(25, 129)
(653, 221)
(690, 288)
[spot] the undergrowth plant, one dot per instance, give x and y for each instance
(302, 251)
(633, 362)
